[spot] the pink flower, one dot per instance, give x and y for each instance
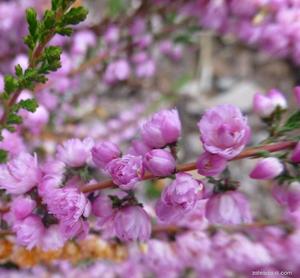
(277, 98)
(52, 239)
(117, 71)
(20, 175)
(22, 207)
(29, 232)
(161, 259)
(37, 120)
(288, 196)
(104, 152)
(68, 205)
(230, 207)
(224, 131)
(295, 156)
(132, 223)
(102, 208)
(82, 41)
(179, 197)
(210, 164)
(267, 169)
(74, 152)
(12, 142)
(262, 105)
(265, 105)
(126, 171)
(112, 34)
(297, 95)
(138, 147)
(161, 129)
(160, 163)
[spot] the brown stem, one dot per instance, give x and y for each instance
(250, 152)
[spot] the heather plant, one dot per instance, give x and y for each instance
(116, 199)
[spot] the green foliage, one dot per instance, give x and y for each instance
(293, 122)
(3, 156)
(74, 16)
(43, 60)
(115, 7)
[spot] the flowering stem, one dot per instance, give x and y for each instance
(250, 152)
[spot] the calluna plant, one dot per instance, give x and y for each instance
(86, 201)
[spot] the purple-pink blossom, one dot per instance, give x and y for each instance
(180, 197)
(210, 164)
(161, 129)
(159, 162)
(74, 152)
(230, 207)
(104, 152)
(20, 174)
(126, 171)
(29, 231)
(224, 131)
(267, 169)
(132, 223)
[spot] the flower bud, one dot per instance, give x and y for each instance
(210, 164)
(179, 197)
(104, 152)
(126, 171)
(224, 131)
(267, 169)
(138, 147)
(160, 163)
(295, 156)
(74, 152)
(20, 175)
(132, 223)
(102, 208)
(277, 98)
(230, 207)
(297, 95)
(22, 207)
(161, 129)
(262, 105)
(29, 232)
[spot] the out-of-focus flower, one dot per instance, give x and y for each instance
(29, 232)
(74, 152)
(288, 196)
(210, 164)
(161, 129)
(224, 131)
(20, 175)
(262, 105)
(230, 207)
(22, 207)
(126, 171)
(159, 162)
(104, 152)
(267, 169)
(82, 41)
(297, 95)
(265, 105)
(179, 197)
(138, 147)
(112, 34)
(52, 239)
(69, 206)
(102, 208)
(295, 156)
(12, 142)
(117, 71)
(161, 259)
(132, 223)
